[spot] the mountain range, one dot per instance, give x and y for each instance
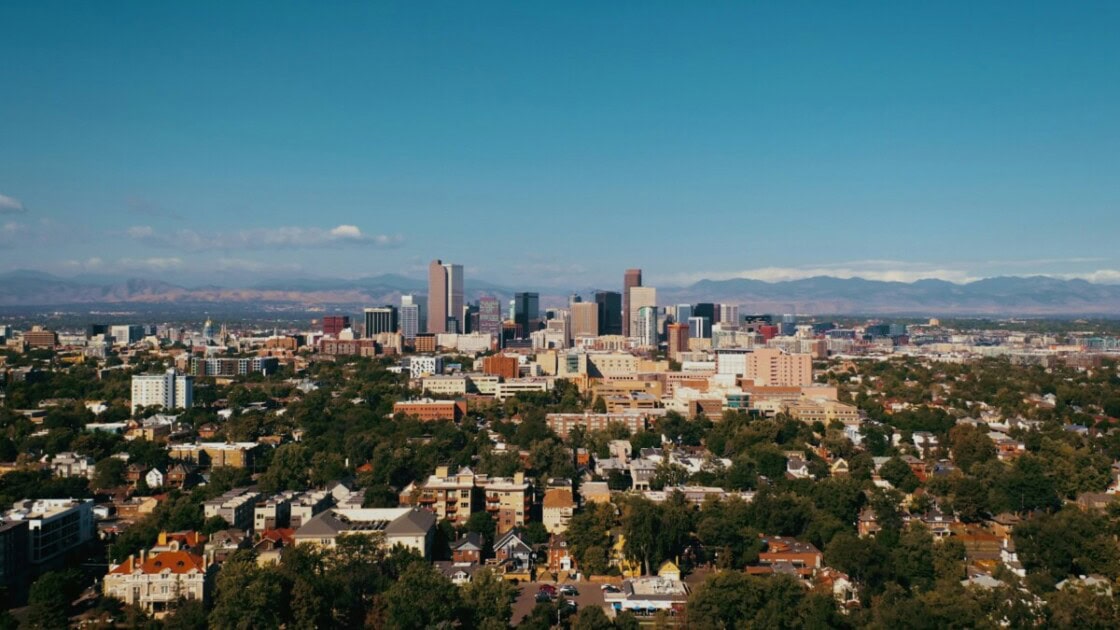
(1007, 295)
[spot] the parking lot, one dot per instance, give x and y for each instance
(589, 595)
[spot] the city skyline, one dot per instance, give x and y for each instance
(956, 142)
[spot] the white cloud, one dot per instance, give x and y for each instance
(255, 266)
(1100, 276)
(155, 263)
(882, 270)
(11, 205)
(264, 238)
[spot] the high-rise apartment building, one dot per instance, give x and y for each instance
(640, 297)
(646, 326)
(632, 278)
(490, 316)
(169, 390)
(585, 319)
(380, 320)
(610, 312)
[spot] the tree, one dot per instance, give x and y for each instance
(592, 618)
(49, 600)
(288, 470)
(482, 522)
(970, 445)
(108, 473)
(247, 596)
(898, 473)
(1082, 607)
(488, 599)
(589, 537)
(189, 614)
(421, 598)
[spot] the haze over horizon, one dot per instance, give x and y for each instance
(556, 146)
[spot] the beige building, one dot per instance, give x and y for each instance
(558, 506)
(451, 497)
(640, 297)
(456, 497)
(770, 366)
(408, 527)
(821, 410)
(216, 454)
(585, 319)
(156, 582)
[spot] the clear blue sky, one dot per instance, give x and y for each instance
(558, 143)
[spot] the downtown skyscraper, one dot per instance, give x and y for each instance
(632, 278)
(445, 297)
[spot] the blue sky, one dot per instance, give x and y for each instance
(556, 145)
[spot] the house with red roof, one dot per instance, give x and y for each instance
(156, 582)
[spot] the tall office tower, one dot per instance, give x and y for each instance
(585, 319)
(421, 303)
(729, 314)
(469, 321)
(334, 324)
(705, 309)
(678, 340)
(380, 320)
(526, 313)
(455, 294)
(169, 390)
(699, 327)
(640, 297)
(633, 278)
(684, 311)
(574, 299)
(490, 316)
(437, 297)
(410, 320)
(610, 312)
(646, 326)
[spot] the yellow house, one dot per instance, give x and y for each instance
(669, 570)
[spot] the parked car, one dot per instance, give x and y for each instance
(610, 588)
(569, 591)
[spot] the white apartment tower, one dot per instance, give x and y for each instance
(169, 390)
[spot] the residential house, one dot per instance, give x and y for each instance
(157, 582)
(558, 507)
(560, 558)
(469, 548)
(272, 544)
(224, 543)
(154, 478)
(460, 573)
(788, 555)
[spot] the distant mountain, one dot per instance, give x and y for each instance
(1033, 295)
